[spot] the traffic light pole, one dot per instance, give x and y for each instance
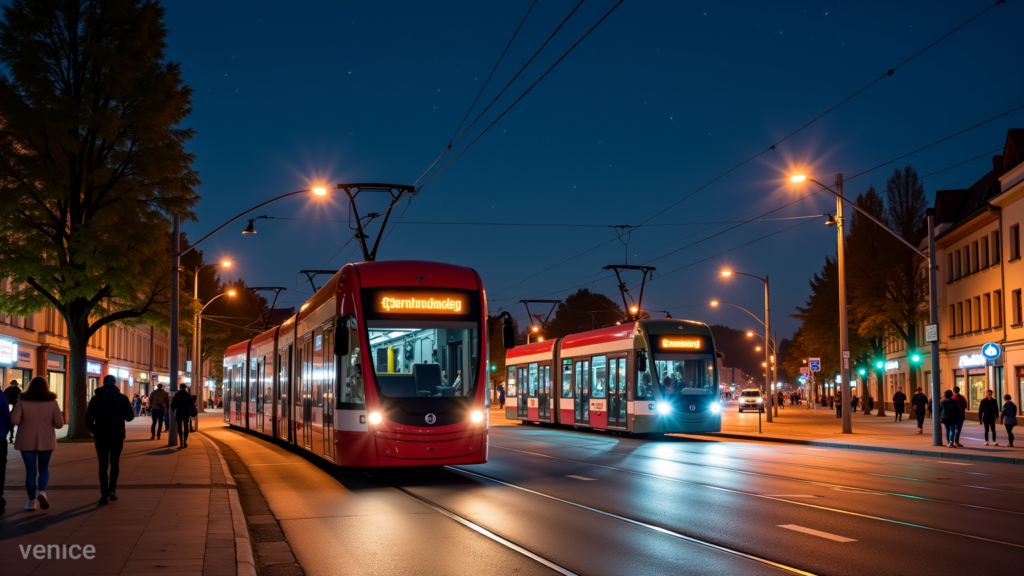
(933, 304)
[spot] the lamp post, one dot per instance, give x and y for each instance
(767, 334)
(177, 253)
(844, 342)
(197, 357)
(533, 330)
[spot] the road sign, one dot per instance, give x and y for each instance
(846, 353)
(815, 364)
(990, 351)
(846, 363)
(805, 372)
(931, 333)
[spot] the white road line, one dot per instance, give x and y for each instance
(793, 495)
(817, 533)
(580, 477)
(953, 463)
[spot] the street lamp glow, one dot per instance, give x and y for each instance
(726, 273)
(633, 309)
(231, 292)
(320, 191)
(540, 338)
(749, 334)
(757, 349)
(798, 178)
(535, 329)
(714, 302)
(225, 263)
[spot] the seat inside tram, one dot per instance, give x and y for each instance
(424, 362)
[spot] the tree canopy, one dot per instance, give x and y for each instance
(581, 311)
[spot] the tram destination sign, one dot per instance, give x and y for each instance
(678, 343)
(403, 302)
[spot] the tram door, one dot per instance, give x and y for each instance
(240, 391)
(283, 370)
(523, 393)
(256, 393)
(327, 389)
(307, 394)
(581, 393)
(544, 395)
(617, 392)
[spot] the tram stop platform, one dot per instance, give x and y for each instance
(178, 512)
(820, 427)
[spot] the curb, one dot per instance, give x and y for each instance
(245, 559)
(951, 455)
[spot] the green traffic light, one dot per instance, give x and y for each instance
(494, 367)
(915, 358)
(862, 371)
(879, 364)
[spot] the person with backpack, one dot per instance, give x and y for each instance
(184, 410)
(962, 403)
(5, 425)
(988, 410)
(919, 402)
(1009, 416)
(38, 417)
(949, 412)
(11, 393)
(105, 418)
(159, 402)
(899, 399)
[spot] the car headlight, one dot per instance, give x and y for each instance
(477, 416)
(664, 408)
(375, 418)
(716, 407)
(760, 400)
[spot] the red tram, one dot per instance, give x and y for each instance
(383, 366)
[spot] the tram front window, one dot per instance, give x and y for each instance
(429, 360)
(684, 374)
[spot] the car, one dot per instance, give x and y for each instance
(751, 399)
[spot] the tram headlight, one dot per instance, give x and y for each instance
(716, 407)
(664, 408)
(375, 418)
(477, 416)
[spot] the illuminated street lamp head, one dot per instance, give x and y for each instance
(320, 191)
(714, 302)
(535, 329)
(726, 273)
(798, 178)
(749, 334)
(757, 349)
(633, 309)
(831, 220)
(231, 292)
(225, 263)
(540, 338)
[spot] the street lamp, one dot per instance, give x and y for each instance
(844, 335)
(773, 407)
(197, 357)
(176, 254)
(533, 330)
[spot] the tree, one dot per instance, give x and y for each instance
(583, 310)
(738, 349)
(93, 165)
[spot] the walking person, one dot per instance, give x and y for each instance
(920, 403)
(5, 425)
(136, 403)
(949, 412)
(1009, 416)
(105, 417)
(12, 392)
(37, 417)
(854, 401)
(159, 402)
(195, 417)
(501, 397)
(839, 405)
(988, 410)
(962, 403)
(898, 401)
(184, 409)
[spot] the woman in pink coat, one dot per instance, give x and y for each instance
(37, 417)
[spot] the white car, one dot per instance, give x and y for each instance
(751, 400)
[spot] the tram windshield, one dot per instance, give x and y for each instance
(684, 374)
(424, 359)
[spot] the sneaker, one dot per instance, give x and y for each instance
(994, 443)
(950, 445)
(31, 506)
(959, 445)
(112, 495)
(43, 502)
(152, 437)
(103, 500)
(986, 442)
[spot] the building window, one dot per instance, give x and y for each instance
(986, 311)
(974, 257)
(1016, 307)
(956, 267)
(977, 313)
(968, 322)
(995, 247)
(984, 252)
(967, 260)
(997, 307)
(959, 317)
(1014, 241)
(949, 268)
(952, 320)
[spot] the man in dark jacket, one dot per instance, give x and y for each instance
(962, 403)
(5, 425)
(183, 405)
(108, 411)
(919, 402)
(159, 403)
(988, 411)
(12, 393)
(898, 401)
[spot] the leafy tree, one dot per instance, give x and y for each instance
(93, 165)
(581, 311)
(738, 350)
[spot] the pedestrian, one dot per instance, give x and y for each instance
(869, 403)
(839, 405)
(37, 417)
(184, 409)
(962, 403)
(159, 401)
(136, 403)
(949, 412)
(898, 401)
(144, 400)
(195, 417)
(105, 417)
(988, 411)
(920, 403)
(12, 392)
(1009, 416)
(5, 425)
(854, 401)
(501, 397)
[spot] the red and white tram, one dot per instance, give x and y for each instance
(649, 376)
(383, 366)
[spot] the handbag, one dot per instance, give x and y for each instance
(193, 410)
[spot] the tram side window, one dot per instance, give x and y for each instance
(566, 378)
(533, 380)
(600, 377)
(510, 382)
(329, 366)
(350, 381)
(644, 385)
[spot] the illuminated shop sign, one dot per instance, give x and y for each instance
(972, 360)
(676, 343)
(8, 352)
(93, 368)
(421, 305)
(892, 365)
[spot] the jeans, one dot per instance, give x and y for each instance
(36, 462)
(3, 472)
(183, 431)
(950, 433)
(108, 452)
(959, 427)
(920, 418)
(1009, 432)
(158, 418)
(899, 413)
(989, 424)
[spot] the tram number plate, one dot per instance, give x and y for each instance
(531, 403)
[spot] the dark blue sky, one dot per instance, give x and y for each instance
(660, 99)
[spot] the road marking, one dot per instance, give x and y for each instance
(580, 477)
(793, 495)
(817, 533)
(953, 463)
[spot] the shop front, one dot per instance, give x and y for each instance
(15, 363)
(93, 373)
(57, 376)
(974, 378)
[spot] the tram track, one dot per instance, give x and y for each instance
(794, 465)
(754, 495)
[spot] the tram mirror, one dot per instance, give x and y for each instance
(508, 336)
(341, 343)
(641, 361)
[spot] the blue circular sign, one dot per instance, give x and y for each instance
(990, 350)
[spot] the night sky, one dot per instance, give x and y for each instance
(660, 99)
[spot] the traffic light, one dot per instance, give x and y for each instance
(879, 364)
(494, 367)
(862, 371)
(915, 358)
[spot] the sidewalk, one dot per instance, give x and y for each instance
(799, 425)
(176, 513)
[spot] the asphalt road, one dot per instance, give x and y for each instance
(559, 501)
